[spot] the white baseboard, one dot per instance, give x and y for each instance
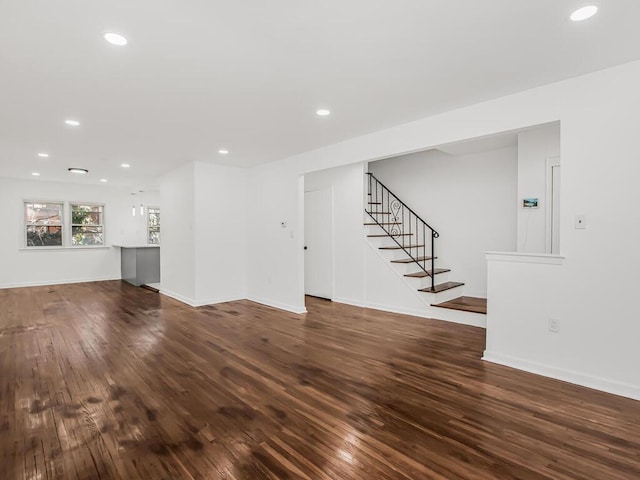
(176, 296)
(199, 303)
(577, 378)
(58, 282)
(348, 301)
(278, 305)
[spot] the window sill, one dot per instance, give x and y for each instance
(55, 249)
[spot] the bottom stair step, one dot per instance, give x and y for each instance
(441, 287)
(466, 304)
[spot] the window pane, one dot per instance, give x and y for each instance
(43, 213)
(86, 214)
(44, 236)
(154, 236)
(88, 235)
(153, 224)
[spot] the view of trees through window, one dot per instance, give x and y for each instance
(44, 224)
(153, 225)
(87, 226)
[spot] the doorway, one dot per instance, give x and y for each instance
(318, 248)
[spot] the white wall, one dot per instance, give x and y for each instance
(22, 267)
(204, 233)
(134, 228)
(275, 255)
(470, 200)
(599, 114)
(221, 233)
(534, 147)
(177, 251)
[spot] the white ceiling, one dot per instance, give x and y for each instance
(248, 75)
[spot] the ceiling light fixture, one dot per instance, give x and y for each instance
(223, 151)
(35, 174)
(125, 165)
(584, 13)
(43, 155)
(104, 180)
(72, 123)
(323, 112)
(80, 171)
(116, 39)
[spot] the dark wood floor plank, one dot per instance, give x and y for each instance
(106, 380)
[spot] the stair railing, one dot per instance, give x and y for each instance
(410, 232)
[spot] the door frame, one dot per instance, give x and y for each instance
(331, 236)
(551, 163)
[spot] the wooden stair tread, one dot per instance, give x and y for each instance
(466, 304)
(441, 287)
(375, 203)
(392, 236)
(411, 260)
(379, 213)
(395, 247)
(383, 223)
(423, 274)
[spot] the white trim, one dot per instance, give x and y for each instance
(551, 162)
(65, 249)
(577, 378)
(59, 282)
(278, 305)
(518, 257)
(177, 296)
(199, 303)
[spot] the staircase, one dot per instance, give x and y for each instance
(409, 243)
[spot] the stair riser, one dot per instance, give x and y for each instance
(446, 295)
(426, 282)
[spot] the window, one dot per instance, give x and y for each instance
(87, 225)
(43, 222)
(153, 225)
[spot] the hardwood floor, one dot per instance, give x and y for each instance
(108, 381)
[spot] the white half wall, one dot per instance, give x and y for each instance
(26, 267)
(470, 200)
(599, 114)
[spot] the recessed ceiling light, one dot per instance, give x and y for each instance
(223, 151)
(323, 112)
(81, 171)
(43, 155)
(116, 39)
(125, 165)
(583, 13)
(35, 174)
(104, 180)
(72, 123)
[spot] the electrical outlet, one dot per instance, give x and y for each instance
(554, 325)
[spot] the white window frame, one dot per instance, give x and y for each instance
(150, 207)
(25, 224)
(70, 225)
(67, 230)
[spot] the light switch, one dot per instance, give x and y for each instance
(581, 222)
